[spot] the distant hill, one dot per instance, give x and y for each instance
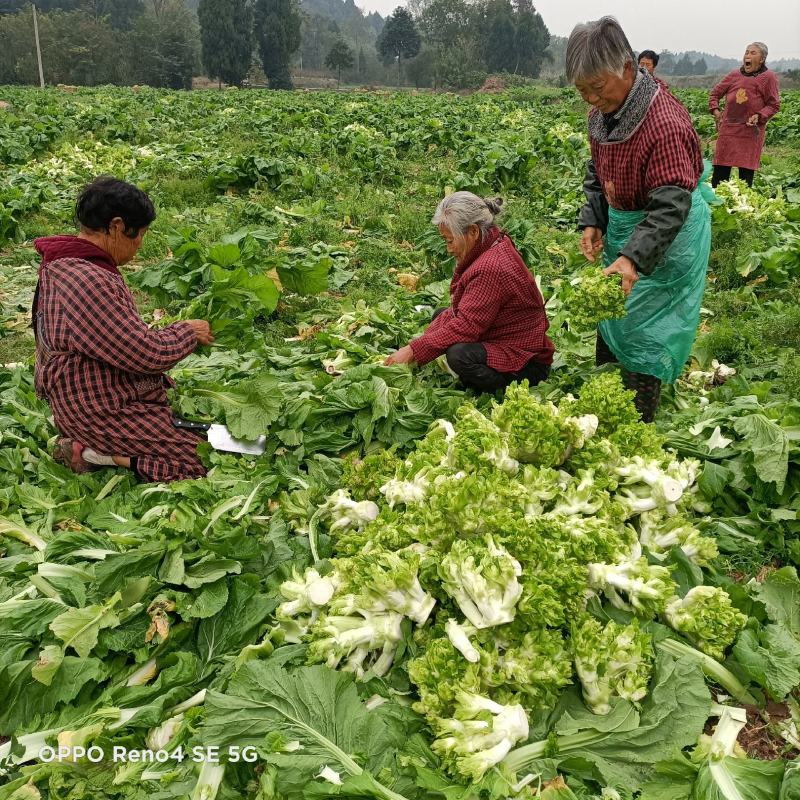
(342, 11)
(714, 64)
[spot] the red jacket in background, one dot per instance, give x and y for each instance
(740, 144)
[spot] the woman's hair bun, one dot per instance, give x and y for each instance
(494, 204)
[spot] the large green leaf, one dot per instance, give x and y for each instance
(780, 593)
(238, 623)
(78, 628)
(769, 444)
(771, 657)
(623, 746)
(305, 276)
(315, 706)
(28, 617)
(738, 779)
(250, 407)
(22, 699)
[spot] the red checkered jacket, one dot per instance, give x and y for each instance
(102, 369)
(664, 150)
(495, 301)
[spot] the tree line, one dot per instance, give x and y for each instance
(451, 43)
(91, 42)
(442, 43)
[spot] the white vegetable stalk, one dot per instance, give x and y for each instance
(406, 492)
(195, 700)
(723, 741)
(18, 531)
(211, 776)
(144, 674)
(330, 775)
(33, 744)
(344, 513)
(158, 738)
(460, 640)
(306, 594)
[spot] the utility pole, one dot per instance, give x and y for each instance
(38, 47)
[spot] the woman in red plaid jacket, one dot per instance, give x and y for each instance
(97, 363)
(645, 212)
(495, 329)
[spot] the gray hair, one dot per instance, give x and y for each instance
(762, 47)
(459, 210)
(598, 47)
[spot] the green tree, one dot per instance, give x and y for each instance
(119, 13)
(277, 31)
(700, 67)
(685, 66)
(666, 62)
(226, 38)
(453, 29)
(399, 39)
(421, 71)
(163, 47)
(362, 63)
(77, 49)
(531, 40)
(501, 37)
(339, 56)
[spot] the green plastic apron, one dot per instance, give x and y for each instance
(663, 309)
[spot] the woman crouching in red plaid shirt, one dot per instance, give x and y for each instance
(97, 363)
(495, 329)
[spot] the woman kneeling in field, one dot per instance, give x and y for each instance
(495, 330)
(97, 363)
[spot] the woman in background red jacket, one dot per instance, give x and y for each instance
(495, 330)
(751, 98)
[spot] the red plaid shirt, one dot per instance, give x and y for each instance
(102, 369)
(663, 151)
(494, 301)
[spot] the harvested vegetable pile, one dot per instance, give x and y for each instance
(523, 597)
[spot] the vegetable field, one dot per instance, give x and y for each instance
(415, 593)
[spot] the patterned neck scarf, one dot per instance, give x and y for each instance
(759, 71)
(623, 123)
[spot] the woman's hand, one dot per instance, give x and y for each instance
(753, 120)
(591, 242)
(717, 117)
(405, 355)
(625, 267)
(202, 330)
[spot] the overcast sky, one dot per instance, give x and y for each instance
(722, 27)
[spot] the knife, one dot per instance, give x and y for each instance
(220, 438)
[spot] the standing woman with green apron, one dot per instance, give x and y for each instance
(644, 210)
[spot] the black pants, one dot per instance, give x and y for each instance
(647, 387)
(468, 361)
(724, 174)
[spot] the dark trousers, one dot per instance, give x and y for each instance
(647, 387)
(468, 361)
(721, 173)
